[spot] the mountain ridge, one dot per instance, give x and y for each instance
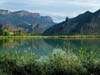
(23, 19)
(86, 23)
(25, 15)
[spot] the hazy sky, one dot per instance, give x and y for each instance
(57, 9)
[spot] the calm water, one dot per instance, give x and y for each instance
(42, 47)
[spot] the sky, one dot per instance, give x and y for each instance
(57, 9)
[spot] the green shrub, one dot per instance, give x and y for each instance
(59, 62)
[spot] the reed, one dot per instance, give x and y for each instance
(59, 62)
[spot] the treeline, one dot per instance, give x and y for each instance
(5, 32)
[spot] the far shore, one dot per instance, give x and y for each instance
(60, 36)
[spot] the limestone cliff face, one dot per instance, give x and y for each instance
(4, 12)
(36, 28)
(24, 19)
(10, 27)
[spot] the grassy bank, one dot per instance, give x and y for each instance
(60, 36)
(58, 63)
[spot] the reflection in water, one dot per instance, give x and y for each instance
(43, 47)
(37, 46)
(75, 44)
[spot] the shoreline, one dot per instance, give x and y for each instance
(66, 36)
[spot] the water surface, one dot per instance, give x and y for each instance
(42, 47)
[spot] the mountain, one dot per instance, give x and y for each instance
(36, 28)
(86, 23)
(25, 19)
(4, 12)
(10, 27)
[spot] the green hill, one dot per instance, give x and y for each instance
(86, 23)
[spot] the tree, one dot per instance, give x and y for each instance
(4, 32)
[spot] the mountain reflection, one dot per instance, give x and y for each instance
(46, 46)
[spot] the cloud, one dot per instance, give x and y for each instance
(82, 3)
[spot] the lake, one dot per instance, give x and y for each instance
(42, 47)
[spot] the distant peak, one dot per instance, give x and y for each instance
(21, 11)
(67, 18)
(3, 12)
(47, 18)
(97, 12)
(26, 13)
(88, 12)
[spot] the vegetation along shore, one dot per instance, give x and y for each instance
(59, 62)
